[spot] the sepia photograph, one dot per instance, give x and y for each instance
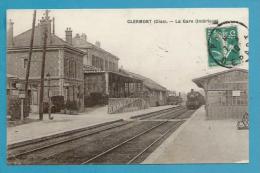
(127, 86)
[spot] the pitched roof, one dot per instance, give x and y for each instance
(23, 39)
(197, 81)
(81, 43)
(149, 83)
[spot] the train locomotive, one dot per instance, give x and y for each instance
(194, 100)
(174, 100)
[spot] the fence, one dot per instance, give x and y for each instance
(119, 105)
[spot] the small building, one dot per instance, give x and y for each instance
(226, 93)
(64, 63)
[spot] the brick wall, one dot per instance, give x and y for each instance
(17, 63)
(109, 62)
(153, 97)
(55, 65)
(73, 65)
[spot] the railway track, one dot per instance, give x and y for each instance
(71, 148)
(17, 151)
(127, 152)
(156, 113)
(170, 114)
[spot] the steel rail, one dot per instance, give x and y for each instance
(166, 113)
(176, 114)
(63, 141)
(122, 143)
(154, 142)
(14, 156)
(155, 112)
(62, 135)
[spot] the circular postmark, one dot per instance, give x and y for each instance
(228, 44)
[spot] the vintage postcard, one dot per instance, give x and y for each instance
(127, 86)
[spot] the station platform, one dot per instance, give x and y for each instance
(64, 122)
(203, 141)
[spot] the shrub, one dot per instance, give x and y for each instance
(14, 108)
(95, 99)
(58, 103)
(45, 107)
(72, 105)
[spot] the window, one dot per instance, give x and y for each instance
(93, 61)
(69, 69)
(72, 68)
(101, 64)
(34, 98)
(110, 66)
(106, 65)
(75, 75)
(237, 100)
(65, 67)
(25, 62)
(98, 62)
(13, 85)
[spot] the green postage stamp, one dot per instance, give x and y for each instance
(223, 46)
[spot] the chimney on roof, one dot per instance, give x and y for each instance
(10, 33)
(77, 36)
(68, 35)
(84, 36)
(53, 26)
(98, 44)
(45, 23)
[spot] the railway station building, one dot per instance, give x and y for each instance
(64, 64)
(78, 71)
(103, 78)
(226, 93)
(103, 82)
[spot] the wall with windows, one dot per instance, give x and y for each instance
(73, 65)
(102, 59)
(64, 66)
(155, 97)
(16, 62)
(230, 88)
(227, 95)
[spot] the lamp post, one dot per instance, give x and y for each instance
(22, 97)
(66, 85)
(49, 97)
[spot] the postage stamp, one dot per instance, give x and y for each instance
(226, 46)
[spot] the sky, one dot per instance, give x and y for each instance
(171, 54)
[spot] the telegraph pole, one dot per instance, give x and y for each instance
(29, 59)
(45, 35)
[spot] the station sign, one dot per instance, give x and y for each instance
(21, 94)
(236, 93)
